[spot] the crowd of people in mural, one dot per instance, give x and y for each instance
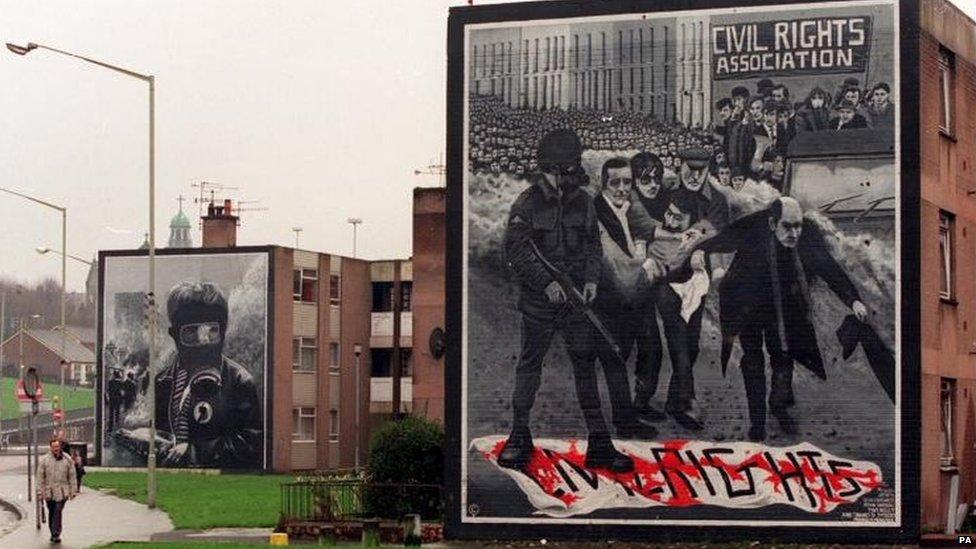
(609, 272)
(751, 132)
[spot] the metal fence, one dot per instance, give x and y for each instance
(337, 500)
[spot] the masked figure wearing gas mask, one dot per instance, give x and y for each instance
(206, 401)
(555, 217)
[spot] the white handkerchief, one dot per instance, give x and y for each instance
(691, 293)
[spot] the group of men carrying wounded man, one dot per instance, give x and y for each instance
(640, 249)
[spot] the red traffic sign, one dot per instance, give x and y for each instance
(58, 414)
(22, 392)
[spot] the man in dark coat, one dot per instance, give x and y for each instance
(556, 215)
(847, 117)
(623, 302)
(764, 298)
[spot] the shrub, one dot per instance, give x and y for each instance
(406, 452)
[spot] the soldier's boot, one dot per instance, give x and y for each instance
(781, 385)
(601, 454)
(518, 450)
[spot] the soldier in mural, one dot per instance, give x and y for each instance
(552, 225)
(744, 218)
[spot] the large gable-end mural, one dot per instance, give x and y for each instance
(680, 286)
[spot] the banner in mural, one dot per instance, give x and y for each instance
(681, 268)
(773, 48)
(212, 344)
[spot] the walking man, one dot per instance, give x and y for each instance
(764, 300)
(56, 484)
(555, 217)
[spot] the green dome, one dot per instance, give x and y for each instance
(180, 221)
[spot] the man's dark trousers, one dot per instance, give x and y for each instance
(54, 511)
(540, 322)
(630, 326)
(683, 346)
(753, 366)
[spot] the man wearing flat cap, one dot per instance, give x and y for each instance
(713, 210)
(847, 117)
(556, 217)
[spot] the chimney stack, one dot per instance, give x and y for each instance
(220, 226)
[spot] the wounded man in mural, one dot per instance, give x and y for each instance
(552, 234)
(207, 409)
(765, 297)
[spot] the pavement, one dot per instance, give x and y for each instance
(92, 518)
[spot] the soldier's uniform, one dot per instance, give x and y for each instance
(563, 224)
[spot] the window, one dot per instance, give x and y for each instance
(304, 282)
(576, 51)
(334, 362)
(603, 48)
(630, 46)
(381, 362)
(303, 424)
(548, 52)
(562, 52)
(535, 56)
(335, 290)
(508, 58)
(946, 223)
(589, 50)
(947, 398)
(640, 48)
(333, 425)
(525, 54)
(303, 351)
(947, 70)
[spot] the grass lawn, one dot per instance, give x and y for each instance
(72, 399)
(198, 502)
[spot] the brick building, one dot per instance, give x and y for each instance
(332, 343)
(947, 132)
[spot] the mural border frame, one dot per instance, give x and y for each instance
(268, 456)
(910, 248)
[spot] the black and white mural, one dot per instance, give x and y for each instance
(212, 341)
(681, 268)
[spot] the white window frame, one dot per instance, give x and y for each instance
(947, 81)
(300, 413)
(947, 404)
(945, 248)
(303, 344)
(333, 425)
(304, 274)
(335, 281)
(335, 357)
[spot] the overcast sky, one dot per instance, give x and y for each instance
(319, 110)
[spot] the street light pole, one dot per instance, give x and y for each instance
(151, 369)
(354, 221)
(43, 251)
(357, 350)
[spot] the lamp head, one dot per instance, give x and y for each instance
(21, 50)
(42, 250)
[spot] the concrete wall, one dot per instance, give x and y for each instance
(428, 300)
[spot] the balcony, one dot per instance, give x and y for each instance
(381, 394)
(381, 329)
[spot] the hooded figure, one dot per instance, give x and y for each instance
(814, 115)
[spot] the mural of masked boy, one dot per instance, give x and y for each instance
(206, 401)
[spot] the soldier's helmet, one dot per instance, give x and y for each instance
(559, 148)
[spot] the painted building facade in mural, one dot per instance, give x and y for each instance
(681, 269)
(212, 340)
